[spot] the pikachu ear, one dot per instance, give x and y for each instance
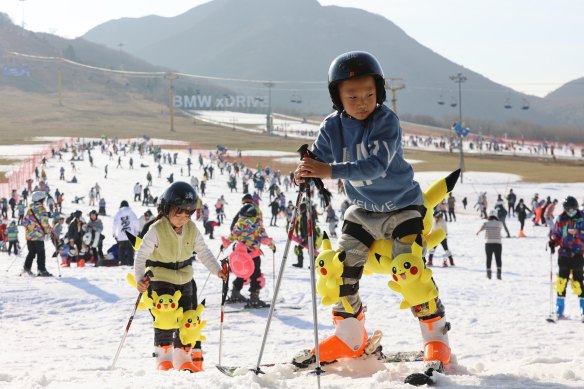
(154, 295)
(203, 302)
(342, 256)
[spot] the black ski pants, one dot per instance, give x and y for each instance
(35, 248)
(187, 301)
(575, 265)
(126, 252)
(13, 244)
(493, 248)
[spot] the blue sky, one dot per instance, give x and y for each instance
(533, 46)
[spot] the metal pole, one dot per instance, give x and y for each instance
(318, 369)
(269, 84)
(171, 77)
(126, 332)
(223, 299)
(459, 79)
(279, 280)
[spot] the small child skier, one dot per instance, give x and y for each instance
(250, 231)
(568, 234)
(361, 143)
(167, 252)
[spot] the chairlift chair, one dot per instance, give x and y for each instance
(440, 100)
(525, 105)
(453, 102)
(508, 103)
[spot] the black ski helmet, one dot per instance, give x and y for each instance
(248, 210)
(352, 65)
(570, 202)
(179, 194)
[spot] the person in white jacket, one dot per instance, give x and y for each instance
(125, 221)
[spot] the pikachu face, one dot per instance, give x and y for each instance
(166, 302)
(408, 267)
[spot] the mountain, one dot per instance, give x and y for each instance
(295, 40)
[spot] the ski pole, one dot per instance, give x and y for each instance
(200, 294)
(318, 371)
(279, 279)
(223, 299)
(146, 276)
(273, 268)
(551, 283)
(12, 263)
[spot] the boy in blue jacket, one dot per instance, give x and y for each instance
(361, 143)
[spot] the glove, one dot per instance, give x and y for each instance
(552, 247)
(274, 250)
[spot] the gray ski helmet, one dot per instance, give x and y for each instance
(248, 210)
(350, 65)
(570, 202)
(179, 194)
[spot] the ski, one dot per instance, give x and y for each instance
(555, 319)
(244, 309)
(393, 357)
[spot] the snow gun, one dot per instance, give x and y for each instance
(329, 268)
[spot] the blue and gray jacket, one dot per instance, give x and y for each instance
(368, 156)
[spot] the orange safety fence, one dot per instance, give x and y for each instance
(17, 178)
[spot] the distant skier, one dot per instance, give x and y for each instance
(568, 235)
(250, 231)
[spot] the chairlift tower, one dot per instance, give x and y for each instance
(171, 77)
(459, 79)
(269, 122)
(394, 84)
(22, 1)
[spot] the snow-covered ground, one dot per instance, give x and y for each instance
(63, 332)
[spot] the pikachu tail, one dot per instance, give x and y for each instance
(439, 189)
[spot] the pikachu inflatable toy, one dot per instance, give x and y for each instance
(379, 257)
(432, 197)
(145, 301)
(164, 308)
(166, 311)
(329, 268)
(191, 326)
(379, 260)
(413, 280)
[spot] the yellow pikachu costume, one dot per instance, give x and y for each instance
(191, 326)
(413, 280)
(329, 268)
(166, 311)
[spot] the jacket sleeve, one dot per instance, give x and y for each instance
(149, 242)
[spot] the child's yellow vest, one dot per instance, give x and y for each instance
(173, 249)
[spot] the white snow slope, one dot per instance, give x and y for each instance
(63, 332)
